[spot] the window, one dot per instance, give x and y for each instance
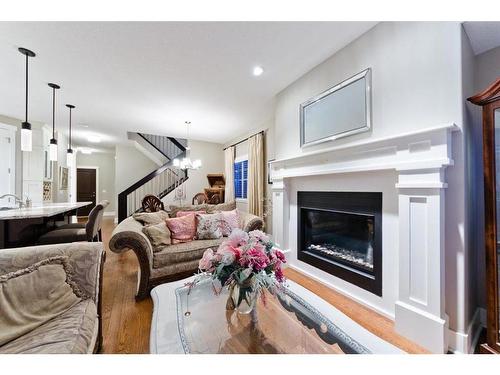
(240, 179)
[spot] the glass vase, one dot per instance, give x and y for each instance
(242, 297)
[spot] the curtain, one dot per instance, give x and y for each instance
(229, 174)
(256, 174)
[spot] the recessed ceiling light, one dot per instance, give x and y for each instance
(93, 139)
(83, 125)
(258, 70)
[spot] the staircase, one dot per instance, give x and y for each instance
(160, 182)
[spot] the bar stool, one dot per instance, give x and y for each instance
(89, 231)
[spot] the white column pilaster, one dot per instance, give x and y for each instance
(419, 312)
(280, 213)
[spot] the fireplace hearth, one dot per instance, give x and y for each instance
(341, 233)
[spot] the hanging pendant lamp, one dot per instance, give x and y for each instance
(26, 134)
(186, 162)
(69, 155)
(53, 141)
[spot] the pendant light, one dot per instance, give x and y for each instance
(26, 134)
(186, 162)
(53, 141)
(69, 155)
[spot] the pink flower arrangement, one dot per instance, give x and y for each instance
(248, 259)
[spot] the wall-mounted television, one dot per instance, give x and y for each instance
(340, 111)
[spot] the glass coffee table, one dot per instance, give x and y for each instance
(295, 322)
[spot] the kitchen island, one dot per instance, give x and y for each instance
(23, 226)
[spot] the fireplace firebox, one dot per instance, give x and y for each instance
(341, 233)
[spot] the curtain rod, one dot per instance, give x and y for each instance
(243, 140)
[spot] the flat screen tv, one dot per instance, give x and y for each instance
(342, 110)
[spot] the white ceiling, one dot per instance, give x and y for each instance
(483, 36)
(151, 77)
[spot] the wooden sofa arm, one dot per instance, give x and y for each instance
(128, 236)
(251, 222)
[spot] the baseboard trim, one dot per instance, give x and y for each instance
(464, 343)
(109, 213)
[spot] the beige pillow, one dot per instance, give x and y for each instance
(158, 234)
(32, 296)
(151, 218)
(211, 208)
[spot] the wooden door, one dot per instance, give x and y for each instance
(86, 189)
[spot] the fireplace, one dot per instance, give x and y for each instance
(341, 233)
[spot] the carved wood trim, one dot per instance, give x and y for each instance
(489, 99)
(491, 93)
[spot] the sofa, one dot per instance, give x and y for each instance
(77, 330)
(158, 265)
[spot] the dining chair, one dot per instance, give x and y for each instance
(199, 198)
(151, 203)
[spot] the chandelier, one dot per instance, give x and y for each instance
(186, 163)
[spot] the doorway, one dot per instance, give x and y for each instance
(7, 164)
(86, 188)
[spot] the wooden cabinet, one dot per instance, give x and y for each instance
(489, 100)
(217, 184)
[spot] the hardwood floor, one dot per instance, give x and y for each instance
(126, 323)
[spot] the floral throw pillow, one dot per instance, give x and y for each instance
(182, 229)
(230, 221)
(209, 226)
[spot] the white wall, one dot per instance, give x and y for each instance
(106, 175)
(416, 83)
(19, 155)
(57, 194)
(212, 158)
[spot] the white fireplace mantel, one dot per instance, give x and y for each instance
(419, 158)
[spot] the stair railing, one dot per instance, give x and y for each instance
(160, 182)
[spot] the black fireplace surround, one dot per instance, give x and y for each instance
(341, 233)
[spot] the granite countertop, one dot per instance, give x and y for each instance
(43, 210)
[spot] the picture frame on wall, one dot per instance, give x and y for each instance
(63, 178)
(341, 111)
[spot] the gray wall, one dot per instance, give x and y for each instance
(106, 175)
(471, 162)
(212, 158)
(487, 68)
(62, 147)
(131, 166)
(415, 81)
(242, 149)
